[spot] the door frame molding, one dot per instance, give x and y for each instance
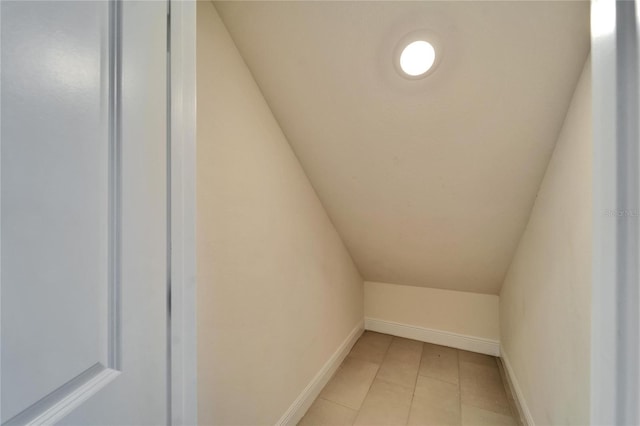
(182, 86)
(615, 338)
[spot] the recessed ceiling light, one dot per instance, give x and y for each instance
(417, 58)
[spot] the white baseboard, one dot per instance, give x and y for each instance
(525, 414)
(302, 403)
(438, 337)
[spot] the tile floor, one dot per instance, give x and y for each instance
(391, 381)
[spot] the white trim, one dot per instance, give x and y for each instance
(523, 408)
(183, 214)
(302, 403)
(75, 398)
(62, 401)
(438, 337)
(615, 329)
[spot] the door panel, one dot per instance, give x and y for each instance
(83, 212)
(54, 199)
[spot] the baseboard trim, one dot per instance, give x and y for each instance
(521, 403)
(438, 337)
(302, 403)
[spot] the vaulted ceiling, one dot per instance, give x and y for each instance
(430, 182)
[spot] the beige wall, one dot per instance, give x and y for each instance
(431, 181)
(545, 300)
(459, 312)
(277, 291)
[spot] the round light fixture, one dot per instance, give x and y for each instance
(417, 58)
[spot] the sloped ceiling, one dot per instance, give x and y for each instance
(430, 182)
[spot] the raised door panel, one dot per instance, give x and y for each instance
(83, 212)
(55, 197)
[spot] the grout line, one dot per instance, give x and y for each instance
(459, 385)
(437, 379)
(337, 403)
(381, 362)
(440, 379)
(393, 383)
(508, 400)
(374, 378)
(415, 384)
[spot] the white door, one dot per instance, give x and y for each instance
(84, 213)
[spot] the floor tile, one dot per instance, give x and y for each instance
(481, 386)
(439, 362)
(327, 413)
(386, 404)
(479, 374)
(435, 403)
(406, 346)
(401, 364)
(476, 358)
(473, 416)
(391, 381)
(350, 384)
(371, 347)
(438, 349)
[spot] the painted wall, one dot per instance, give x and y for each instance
(277, 291)
(430, 182)
(459, 312)
(545, 302)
